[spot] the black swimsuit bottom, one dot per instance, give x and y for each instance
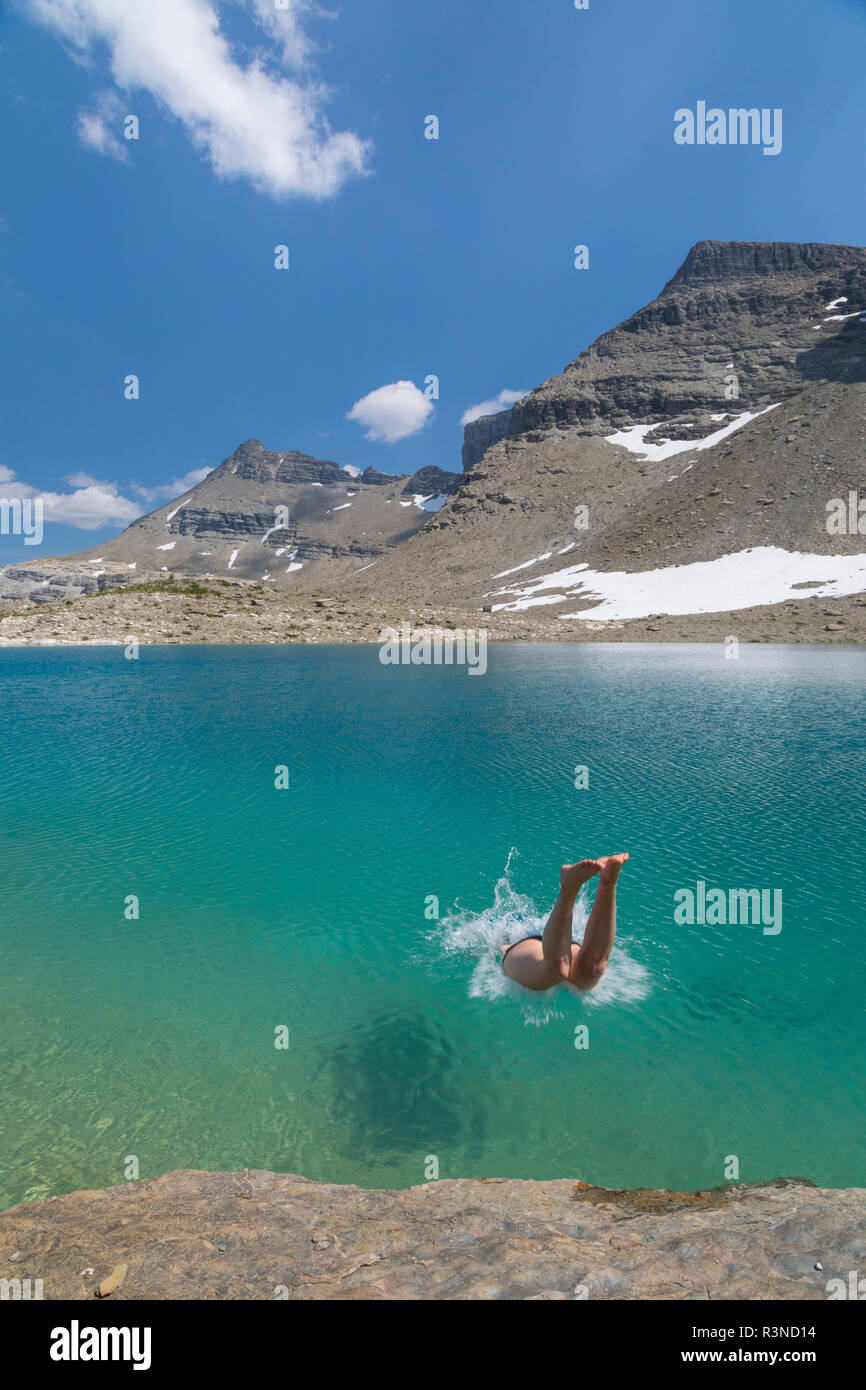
(520, 942)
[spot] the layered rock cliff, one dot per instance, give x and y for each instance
(481, 434)
(743, 316)
(719, 420)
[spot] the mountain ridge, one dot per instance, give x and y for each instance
(719, 419)
(684, 431)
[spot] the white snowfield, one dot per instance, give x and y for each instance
(433, 504)
(633, 437)
(173, 514)
(169, 546)
(526, 564)
(746, 579)
(418, 500)
(234, 556)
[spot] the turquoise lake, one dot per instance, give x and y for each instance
(310, 909)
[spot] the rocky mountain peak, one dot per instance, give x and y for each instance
(757, 309)
(715, 262)
(373, 478)
(432, 481)
(251, 460)
(272, 516)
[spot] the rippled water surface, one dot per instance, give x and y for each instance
(312, 909)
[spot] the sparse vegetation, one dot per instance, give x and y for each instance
(189, 587)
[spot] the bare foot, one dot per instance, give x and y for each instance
(610, 865)
(572, 877)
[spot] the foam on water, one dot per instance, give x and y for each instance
(513, 916)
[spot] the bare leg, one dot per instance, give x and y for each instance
(591, 960)
(543, 964)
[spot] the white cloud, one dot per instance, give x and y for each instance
(97, 126)
(165, 492)
(284, 25)
(392, 412)
(82, 480)
(88, 507)
(250, 122)
(500, 402)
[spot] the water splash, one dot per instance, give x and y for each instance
(512, 916)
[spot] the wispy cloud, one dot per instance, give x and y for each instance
(97, 126)
(165, 492)
(285, 25)
(80, 480)
(250, 121)
(90, 506)
(94, 503)
(392, 412)
(492, 407)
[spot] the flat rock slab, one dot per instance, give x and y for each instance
(260, 1235)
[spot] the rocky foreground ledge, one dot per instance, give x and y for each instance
(260, 1235)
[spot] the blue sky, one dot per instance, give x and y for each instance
(408, 257)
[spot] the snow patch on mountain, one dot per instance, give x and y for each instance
(746, 579)
(633, 437)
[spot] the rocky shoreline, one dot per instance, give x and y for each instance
(260, 1236)
(182, 610)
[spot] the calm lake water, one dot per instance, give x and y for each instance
(310, 909)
